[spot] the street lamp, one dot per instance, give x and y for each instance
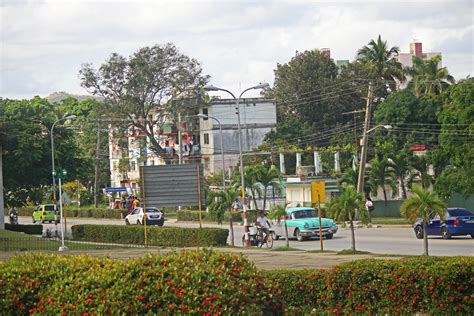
(363, 157)
(222, 144)
(65, 117)
(259, 86)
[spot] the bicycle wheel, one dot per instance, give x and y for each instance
(269, 242)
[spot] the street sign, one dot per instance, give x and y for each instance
(318, 187)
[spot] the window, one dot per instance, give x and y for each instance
(206, 138)
(206, 113)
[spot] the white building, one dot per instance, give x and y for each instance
(257, 118)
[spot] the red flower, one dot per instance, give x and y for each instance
(431, 288)
(89, 300)
(393, 287)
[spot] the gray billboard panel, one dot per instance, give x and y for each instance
(172, 185)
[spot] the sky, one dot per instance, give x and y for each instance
(238, 43)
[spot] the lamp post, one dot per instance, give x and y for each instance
(65, 117)
(363, 157)
(222, 144)
(259, 86)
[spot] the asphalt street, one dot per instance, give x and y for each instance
(394, 240)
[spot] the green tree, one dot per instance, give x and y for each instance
(428, 78)
(381, 174)
(277, 213)
(382, 61)
(425, 205)
(400, 164)
(222, 201)
(456, 152)
(140, 89)
(344, 207)
(268, 177)
(420, 166)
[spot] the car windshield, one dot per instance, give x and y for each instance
(49, 207)
(305, 214)
(460, 212)
(152, 210)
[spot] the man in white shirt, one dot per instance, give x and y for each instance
(264, 224)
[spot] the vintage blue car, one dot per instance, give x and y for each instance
(303, 223)
(457, 222)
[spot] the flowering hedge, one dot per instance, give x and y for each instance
(77, 212)
(205, 282)
(157, 236)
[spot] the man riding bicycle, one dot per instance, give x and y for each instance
(264, 226)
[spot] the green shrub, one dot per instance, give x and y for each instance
(203, 281)
(156, 236)
(190, 282)
(191, 216)
(27, 229)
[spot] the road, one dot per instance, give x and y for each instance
(385, 240)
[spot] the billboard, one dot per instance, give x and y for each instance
(172, 185)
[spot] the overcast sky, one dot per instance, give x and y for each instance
(238, 43)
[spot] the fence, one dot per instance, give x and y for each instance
(53, 244)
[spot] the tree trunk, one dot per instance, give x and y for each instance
(2, 211)
(384, 195)
(264, 197)
(254, 198)
(231, 224)
(425, 239)
(286, 232)
(96, 173)
(353, 243)
(404, 190)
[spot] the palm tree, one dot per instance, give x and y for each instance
(267, 177)
(277, 213)
(382, 60)
(221, 201)
(423, 204)
(420, 166)
(345, 206)
(428, 77)
(400, 164)
(381, 174)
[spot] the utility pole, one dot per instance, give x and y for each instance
(363, 150)
(96, 175)
(2, 218)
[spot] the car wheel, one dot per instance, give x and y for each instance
(127, 222)
(275, 236)
(138, 222)
(329, 236)
(41, 220)
(419, 232)
(444, 233)
(33, 220)
(299, 237)
(160, 223)
(269, 242)
(472, 235)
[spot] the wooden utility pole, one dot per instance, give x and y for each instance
(363, 150)
(2, 218)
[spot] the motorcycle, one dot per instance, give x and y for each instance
(256, 238)
(14, 219)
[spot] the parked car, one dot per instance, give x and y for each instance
(457, 222)
(303, 223)
(44, 213)
(153, 217)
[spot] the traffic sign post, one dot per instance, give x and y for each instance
(61, 175)
(318, 193)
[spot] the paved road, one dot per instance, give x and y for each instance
(385, 240)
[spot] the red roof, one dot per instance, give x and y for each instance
(419, 147)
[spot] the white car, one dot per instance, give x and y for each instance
(153, 217)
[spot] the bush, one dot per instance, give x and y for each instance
(27, 229)
(156, 236)
(190, 282)
(191, 216)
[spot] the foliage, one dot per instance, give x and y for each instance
(78, 212)
(424, 205)
(140, 89)
(207, 282)
(27, 229)
(456, 153)
(277, 213)
(380, 175)
(428, 77)
(191, 216)
(156, 236)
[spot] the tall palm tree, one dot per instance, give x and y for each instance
(420, 166)
(428, 77)
(400, 164)
(345, 206)
(421, 205)
(382, 60)
(381, 174)
(221, 201)
(277, 213)
(267, 177)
